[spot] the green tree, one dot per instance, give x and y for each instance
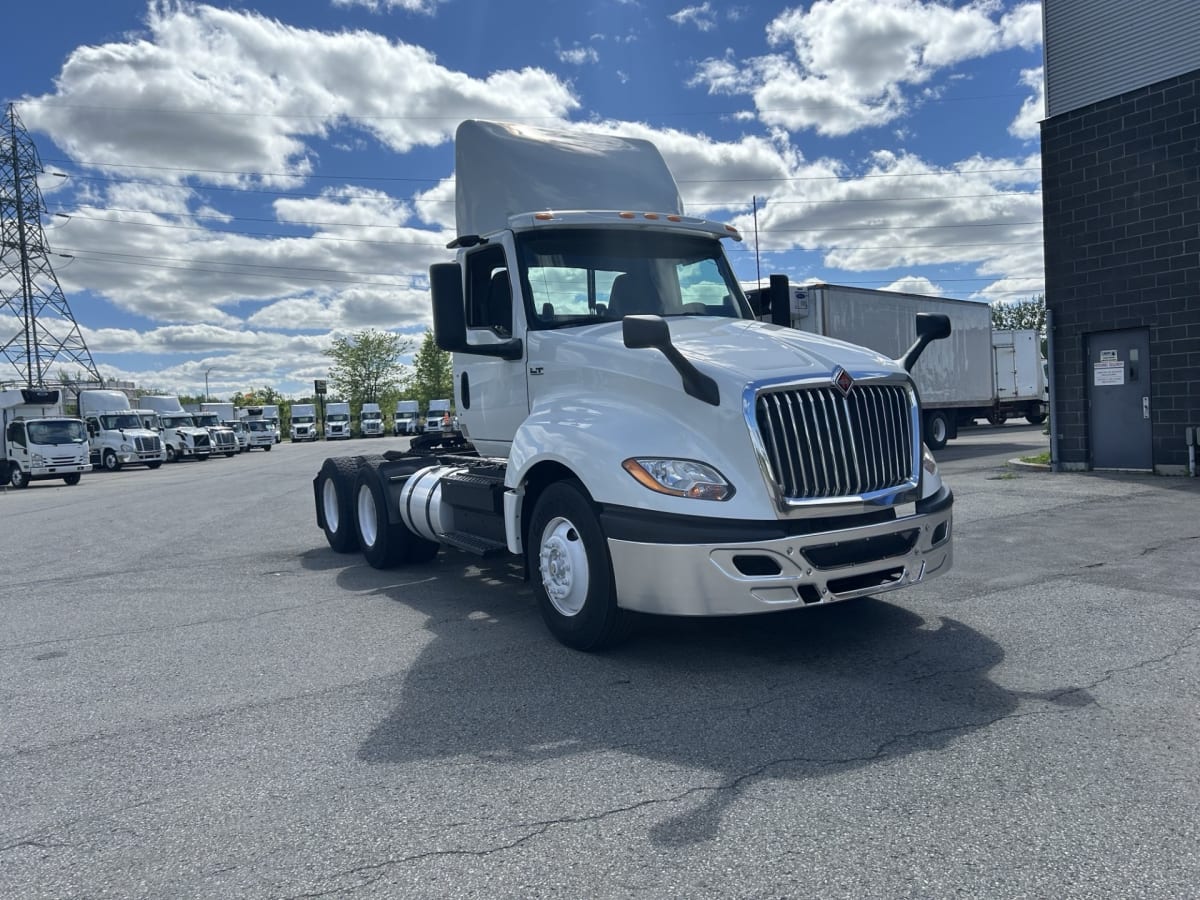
(1020, 314)
(366, 365)
(432, 377)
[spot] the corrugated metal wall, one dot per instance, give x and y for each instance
(1097, 49)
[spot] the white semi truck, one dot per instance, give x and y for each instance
(224, 414)
(337, 421)
(224, 439)
(182, 438)
(437, 416)
(117, 435)
(270, 412)
(628, 427)
(370, 420)
(38, 442)
(304, 422)
(408, 418)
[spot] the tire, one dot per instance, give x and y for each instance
(154, 465)
(997, 417)
(571, 570)
(267, 447)
(172, 456)
(72, 479)
(937, 430)
(230, 454)
(110, 461)
(335, 491)
(1035, 418)
(383, 545)
(17, 478)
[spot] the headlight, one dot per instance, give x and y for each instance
(680, 478)
(37, 460)
(928, 463)
(127, 448)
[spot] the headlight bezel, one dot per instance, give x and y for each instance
(690, 479)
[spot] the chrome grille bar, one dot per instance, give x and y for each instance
(821, 444)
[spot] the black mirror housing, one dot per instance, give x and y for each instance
(449, 315)
(781, 301)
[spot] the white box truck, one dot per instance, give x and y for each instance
(116, 432)
(337, 421)
(260, 432)
(408, 418)
(304, 422)
(1020, 371)
(635, 435)
(370, 420)
(38, 442)
(270, 412)
(956, 380)
(182, 438)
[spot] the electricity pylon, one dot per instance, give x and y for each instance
(37, 330)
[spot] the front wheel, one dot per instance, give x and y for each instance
(18, 478)
(1035, 418)
(111, 463)
(571, 570)
(172, 456)
(267, 447)
(154, 465)
(937, 430)
(72, 479)
(230, 454)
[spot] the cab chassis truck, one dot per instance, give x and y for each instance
(629, 429)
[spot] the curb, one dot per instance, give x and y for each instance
(1020, 463)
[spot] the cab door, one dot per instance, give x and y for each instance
(491, 394)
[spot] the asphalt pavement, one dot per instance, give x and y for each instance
(199, 699)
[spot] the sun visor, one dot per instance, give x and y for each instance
(502, 170)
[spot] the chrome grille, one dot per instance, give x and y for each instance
(822, 444)
(148, 445)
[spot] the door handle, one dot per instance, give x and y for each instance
(1145, 407)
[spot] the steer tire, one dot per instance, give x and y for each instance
(172, 456)
(335, 491)
(72, 479)
(154, 465)
(17, 477)
(937, 429)
(571, 570)
(1035, 418)
(267, 447)
(110, 461)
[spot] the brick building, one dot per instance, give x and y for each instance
(1121, 195)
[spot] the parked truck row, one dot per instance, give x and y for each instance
(979, 373)
(629, 429)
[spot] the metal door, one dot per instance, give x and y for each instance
(1118, 378)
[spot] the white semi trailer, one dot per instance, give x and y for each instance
(38, 442)
(628, 428)
(116, 432)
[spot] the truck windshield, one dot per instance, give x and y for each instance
(116, 422)
(339, 417)
(302, 420)
(578, 277)
(176, 421)
(63, 431)
(207, 420)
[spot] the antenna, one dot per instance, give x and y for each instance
(37, 330)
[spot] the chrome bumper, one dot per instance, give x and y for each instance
(783, 573)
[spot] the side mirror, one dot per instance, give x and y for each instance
(641, 332)
(930, 327)
(781, 301)
(450, 318)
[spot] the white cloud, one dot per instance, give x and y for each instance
(916, 284)
(702, 16)
(428, 7)
(1027, 124)
(232, 92)
(845, 64)
(578, 56)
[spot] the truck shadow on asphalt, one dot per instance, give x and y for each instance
(713, 710)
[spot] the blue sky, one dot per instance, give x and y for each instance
(248, 180)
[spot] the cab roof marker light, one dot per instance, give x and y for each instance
(674, 218)
(627, 215)
(650, 215)
(544, 216)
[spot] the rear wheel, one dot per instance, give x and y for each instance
(571, 570)
(384, 545)
(72, 479)
(1035, 418)
(110, 461)
(997, 417)
(335, 489)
